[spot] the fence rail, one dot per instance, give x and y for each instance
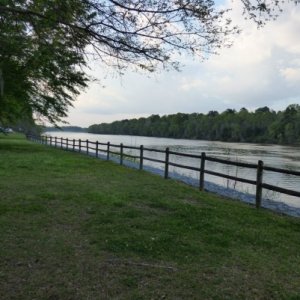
(84, 146)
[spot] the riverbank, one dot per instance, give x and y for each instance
(282, 157)
(276, 206)
(73, 227)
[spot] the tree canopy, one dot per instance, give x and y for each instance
(45, 44)
(262, 126)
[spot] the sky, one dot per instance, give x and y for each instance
(262, 68)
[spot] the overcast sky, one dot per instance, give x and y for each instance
(262, 68)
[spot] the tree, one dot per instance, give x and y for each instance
(45, 44)
(262, 126)
(39, 62)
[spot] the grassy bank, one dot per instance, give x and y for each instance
(73, 227)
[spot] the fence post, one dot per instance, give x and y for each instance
(87, 147)
(202, 168)
(55, 142)
(259, 179)
(108, 146)
(79, 145)
(61, 143)
(167, 163)
(50, 140)
(97, 148)
(121, 154)
(67, 143)
(73, 144)
(141, 156)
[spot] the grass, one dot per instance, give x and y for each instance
(73, 227)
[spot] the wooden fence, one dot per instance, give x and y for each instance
(84, 146)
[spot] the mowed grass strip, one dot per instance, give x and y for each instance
(73, 227)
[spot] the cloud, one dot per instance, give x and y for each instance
(187, 85)
(292, 75)
(261, 68)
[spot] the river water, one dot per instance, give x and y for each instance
(285, 157)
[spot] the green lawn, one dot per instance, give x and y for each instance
(73, 227)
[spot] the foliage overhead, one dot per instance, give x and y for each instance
(45, 44)
(39, 60)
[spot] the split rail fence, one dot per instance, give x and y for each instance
(84, 146)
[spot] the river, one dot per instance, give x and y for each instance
(285, 157)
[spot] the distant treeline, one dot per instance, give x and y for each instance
(66, 128)
(262, 126)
